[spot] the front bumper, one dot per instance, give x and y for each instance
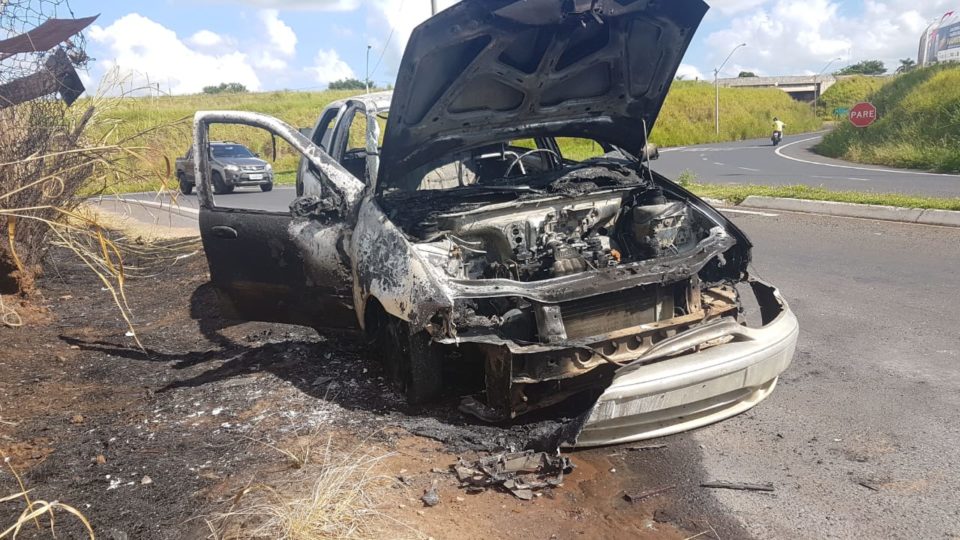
(249, 179)
(687, 391)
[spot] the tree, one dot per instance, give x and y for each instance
(906, 64)
(349, 84)
(745, 74)
(225, 88)
(865, 67)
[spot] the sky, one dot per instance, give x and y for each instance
(180, 46)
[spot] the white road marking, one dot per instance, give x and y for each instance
(718, 163)
(779, 152)
(155, 204)
(748, 169)
(749, 212)
(842, 178)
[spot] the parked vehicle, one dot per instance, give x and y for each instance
(231, 165)
(508, 212)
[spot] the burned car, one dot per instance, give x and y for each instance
(498, 212)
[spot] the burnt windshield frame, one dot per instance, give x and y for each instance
(547, 142)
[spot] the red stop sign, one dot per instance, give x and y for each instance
(862, 114)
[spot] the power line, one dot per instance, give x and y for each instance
(387, 44)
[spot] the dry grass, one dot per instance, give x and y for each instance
(341, 501)
(48, 165)
(35, 509)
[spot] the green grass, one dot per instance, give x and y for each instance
(849, 91)
(918, 124)
(736, 193)
(745, 113)
(686, 118)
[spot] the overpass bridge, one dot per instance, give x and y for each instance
(800, 87)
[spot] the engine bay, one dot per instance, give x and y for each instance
(536, 235)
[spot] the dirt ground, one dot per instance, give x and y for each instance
(159, 443)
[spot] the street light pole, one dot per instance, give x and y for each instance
(366, 76)
(816, 85)
(433, 7)
(716, 84)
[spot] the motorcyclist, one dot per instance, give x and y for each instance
(778, 126)
(777, 131)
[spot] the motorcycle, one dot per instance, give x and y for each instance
(776, 137)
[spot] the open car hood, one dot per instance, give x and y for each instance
(484, 71)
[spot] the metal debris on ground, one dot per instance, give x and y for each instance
(431, 497)
(738, 485)
(647, 447)
(520, 473)
(637, 496)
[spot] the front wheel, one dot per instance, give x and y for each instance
(185, 187)
(219, 186)
(412, 360)
(266, 187)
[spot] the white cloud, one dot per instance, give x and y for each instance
(205, 38)
(306, 5)
(328, 67)
(282, 37)
(786, 37)
(688, 72)
(396, 19)
(282, 42)
(149, 51)
(729, 7)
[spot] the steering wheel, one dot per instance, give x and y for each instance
(525, 154)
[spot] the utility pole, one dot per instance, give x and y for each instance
(816, 85)
(366, 75)
(716, 84)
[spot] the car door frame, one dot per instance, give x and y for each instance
(276, 267)
(329, 117)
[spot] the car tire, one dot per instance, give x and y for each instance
(412, 360)
(185, 187)
(266, 187)
(219, 186)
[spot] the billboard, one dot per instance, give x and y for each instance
(940, 42)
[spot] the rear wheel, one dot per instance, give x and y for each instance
(185, 187)
(266, 187)
(412, 360)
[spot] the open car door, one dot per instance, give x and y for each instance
(277, 264)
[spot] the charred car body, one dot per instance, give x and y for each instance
(469, 229)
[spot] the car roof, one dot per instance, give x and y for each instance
(380, 100)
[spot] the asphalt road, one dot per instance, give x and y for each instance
(860, 438)
(793, 162)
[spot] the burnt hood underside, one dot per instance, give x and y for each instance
(487, 70)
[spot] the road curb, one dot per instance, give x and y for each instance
(947, 218)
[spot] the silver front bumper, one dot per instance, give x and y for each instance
(692, 390)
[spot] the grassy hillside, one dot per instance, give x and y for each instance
(849, 91)
(163, 125)
(745, 113)
(918, 124)
(687, 118)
